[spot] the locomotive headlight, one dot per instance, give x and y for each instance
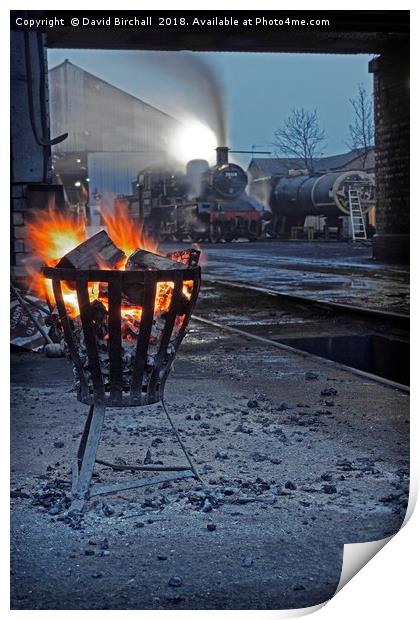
(194, 141)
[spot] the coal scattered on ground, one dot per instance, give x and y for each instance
(286, 483)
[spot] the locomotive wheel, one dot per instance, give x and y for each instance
(254, 232)
(215, 233)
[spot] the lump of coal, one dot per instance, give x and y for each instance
(247, 562)
(329, 392)
(175, 581)
(97, 252)
(189, 257)
(253, 404)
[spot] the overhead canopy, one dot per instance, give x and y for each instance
(348, 32)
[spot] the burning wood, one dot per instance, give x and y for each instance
(141, 259)
(97, 252)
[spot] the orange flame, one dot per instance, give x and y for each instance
(52, 234)
(122, 232)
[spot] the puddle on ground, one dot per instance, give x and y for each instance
(385, 357)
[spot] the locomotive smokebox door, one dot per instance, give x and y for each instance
(229, 180)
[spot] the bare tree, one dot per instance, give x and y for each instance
(362, 129)
(301, 136)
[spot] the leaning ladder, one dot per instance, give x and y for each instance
(356, 216)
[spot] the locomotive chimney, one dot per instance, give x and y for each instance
(222, 154)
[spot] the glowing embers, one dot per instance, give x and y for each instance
(125, 331)
(134, 326)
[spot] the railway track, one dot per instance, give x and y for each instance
(332, 319)
(347, 308)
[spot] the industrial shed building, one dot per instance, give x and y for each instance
(278, 166)
(111, 134)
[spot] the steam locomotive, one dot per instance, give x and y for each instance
(202, 203)
(297, 195)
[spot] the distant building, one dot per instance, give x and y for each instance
(278, 166)
(112, 135)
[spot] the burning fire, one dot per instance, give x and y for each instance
(52, 234)
(120, 228)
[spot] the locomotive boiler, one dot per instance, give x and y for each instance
(201, 203)
(295, 197)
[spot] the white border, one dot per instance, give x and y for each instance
(388, 586)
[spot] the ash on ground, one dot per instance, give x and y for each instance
(297, 460)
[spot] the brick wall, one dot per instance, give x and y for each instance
(392, 126)
(27, 156)
(18, 207)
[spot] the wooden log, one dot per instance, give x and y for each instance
(97, 252)
(141, 259)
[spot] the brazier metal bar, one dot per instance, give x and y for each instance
(81, 451)
(115, 347)
(68, 335)
(162, 355)
(103, 489)
(194, 294)
(118, 467)
(84, 438)
(181, 443)
(88, 457)
(140, 360)
(90, 338)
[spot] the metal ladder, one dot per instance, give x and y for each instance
(356, 216)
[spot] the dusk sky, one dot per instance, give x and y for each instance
(258, 90)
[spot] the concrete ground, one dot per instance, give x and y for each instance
(332, 271)
(298, 458)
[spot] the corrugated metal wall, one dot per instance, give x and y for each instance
(100, 117)
(114, 173)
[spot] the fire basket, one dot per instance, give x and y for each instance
(122, 356)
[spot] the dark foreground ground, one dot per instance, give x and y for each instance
(298, 458)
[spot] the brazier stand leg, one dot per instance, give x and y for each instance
(86, 456)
